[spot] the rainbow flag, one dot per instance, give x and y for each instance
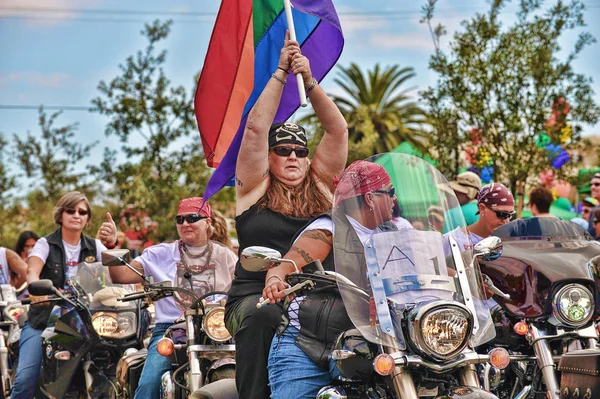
(243, 53)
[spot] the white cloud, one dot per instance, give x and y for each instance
(51, 80)
(412, 41)
(40, 13)
(352, 25)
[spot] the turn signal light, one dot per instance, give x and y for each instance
(521, 328)
(384, 364)
(165, 346)
(499, 358)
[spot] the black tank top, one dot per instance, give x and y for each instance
(265, 228)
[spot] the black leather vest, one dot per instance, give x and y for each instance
(54, 270)
(322, 317)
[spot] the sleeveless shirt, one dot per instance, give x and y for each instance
(266, 228)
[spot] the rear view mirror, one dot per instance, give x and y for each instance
(259, 259)
(489, 248)
(116, 257)
(42, 287)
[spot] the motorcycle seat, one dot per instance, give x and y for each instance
(222, 389)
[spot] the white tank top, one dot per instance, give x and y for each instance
(4, 278)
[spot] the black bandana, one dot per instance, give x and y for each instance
(287, 133)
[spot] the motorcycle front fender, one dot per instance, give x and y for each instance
(467, 393)
(222, 389)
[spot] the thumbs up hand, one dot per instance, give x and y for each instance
(108, 232)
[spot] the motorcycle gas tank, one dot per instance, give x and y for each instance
(528, 270)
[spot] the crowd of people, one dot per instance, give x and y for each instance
(285, 202)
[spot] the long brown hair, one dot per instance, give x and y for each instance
(303, 201)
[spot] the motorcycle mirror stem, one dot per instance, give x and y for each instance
(121, 257)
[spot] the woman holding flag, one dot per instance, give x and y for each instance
(278, 191)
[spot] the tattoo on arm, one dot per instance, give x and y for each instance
(302, 253)
(321, 235)
(266, 173)
(238, 182)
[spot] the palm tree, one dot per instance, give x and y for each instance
(390, 112)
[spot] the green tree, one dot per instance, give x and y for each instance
(504, 83)
(380, 113)
(52, 161)
(153, 120)
(7, 180)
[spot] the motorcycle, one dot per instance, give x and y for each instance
(10, 332)
(418, 311)
(87, 332)
(200, 348)
(547, 305)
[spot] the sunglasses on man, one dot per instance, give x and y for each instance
(502, 215)
(191, 218)
(391, 192)
(301, 152)
(82, 212)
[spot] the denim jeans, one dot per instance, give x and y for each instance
(30, 363)
(154, 367)
(292, 374)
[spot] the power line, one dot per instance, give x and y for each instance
(48, 107)
(196, 17)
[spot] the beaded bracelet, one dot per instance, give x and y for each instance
(283, 81)
(312, 85)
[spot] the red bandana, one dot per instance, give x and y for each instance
(194, 205)
(359, 178)
(495, 194)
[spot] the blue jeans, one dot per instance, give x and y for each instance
(292, 374)
(154, 367)
(30, 363)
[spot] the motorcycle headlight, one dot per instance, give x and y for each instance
(573, 305)
(214, 325)
(114, 324)
(440, 329)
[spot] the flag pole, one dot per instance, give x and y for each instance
(290, 22)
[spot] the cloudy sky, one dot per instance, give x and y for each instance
(57, 51)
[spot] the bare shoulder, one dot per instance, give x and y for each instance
(245, 200)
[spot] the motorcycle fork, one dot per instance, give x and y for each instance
(402, 379)
(195, 376)
(545, 361)
(468, 376)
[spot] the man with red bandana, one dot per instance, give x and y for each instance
(496, 207)
(194, 263)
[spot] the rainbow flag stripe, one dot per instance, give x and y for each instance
(243, 53)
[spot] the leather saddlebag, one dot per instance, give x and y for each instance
(129, 369)
(580, 374)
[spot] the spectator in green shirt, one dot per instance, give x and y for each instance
(466, 186)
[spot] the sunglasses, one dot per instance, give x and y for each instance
(82, 212)
(503, 214)
(301, 152)
(391, 192)
(191, 218)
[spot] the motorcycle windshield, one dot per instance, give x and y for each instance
(93, 281)
(544, 227)
(386, 244)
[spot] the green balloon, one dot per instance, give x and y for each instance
(542, 140)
